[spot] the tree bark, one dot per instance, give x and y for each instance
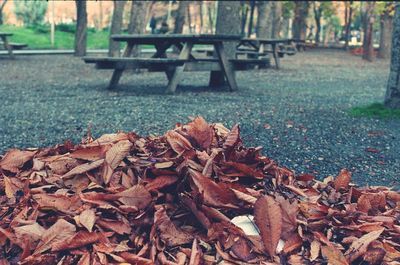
(250, 26)
(348, 24)
(81, 28)
(244, 11)
(1, 11)
(386, 25)
(392, 97)
(317, 17)
(180, 16)
(276, 15)
(137, 22)
(189, 16)
(116, 25)
(200, 3)
(210, 18)
(299, 27)
(264, 25)
(368, 48)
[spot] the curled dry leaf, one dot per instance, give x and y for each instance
(201, 132)
(87, 218)
(59, 232)
(342, 181)
(333, 255)
(232, 138)
(177, 142)
(268, 218)
(114, 156)
(359, 247)
(83, 168)
(15, 159)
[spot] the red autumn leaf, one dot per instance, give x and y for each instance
(118, 227)
(249, 171)
(59, 232)
(83, 168)
(161, 182)
(268, 218)
(177, 142)
(15, 159)
(137, 196)
(201, 131)
(232, 138)
(343, 180)
(359, 247)
(91, 153)
(114, 156)
(87, 218)
(289, 216)
(80, 239)
(333, 255)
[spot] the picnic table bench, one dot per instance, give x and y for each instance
(257, 48)
(9, 46)
(220, 66)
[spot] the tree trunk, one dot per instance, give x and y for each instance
(210, 18)
(81, 26)
(1, 11)
(137, 23)
(189, 16)
(317, 17)
(116, 25)
(244, 11)
(180, 17)
(348, 24)
(264, 27)
(386, 24)
(200, 3)
(368, 48)
(228, 22)
(250, 27)
(392, 97)
(299, 27)
(276, 15)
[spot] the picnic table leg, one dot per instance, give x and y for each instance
(177, 72)
(7, 46)
(276, 57)
(116, 76)
(226, 66)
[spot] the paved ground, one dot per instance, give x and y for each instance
(299, 114)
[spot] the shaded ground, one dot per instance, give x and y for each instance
(299, 114)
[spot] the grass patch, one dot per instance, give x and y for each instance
(37, 39)
(375, 110)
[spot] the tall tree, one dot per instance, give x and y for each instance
(81, 28)
(392, 97)
(137, 20)
(299, 27)
(2, 5)
(243, 14)
(210, 17)
(368, 24)
(264, 25)
(116, 25)
(276, 16)
(228, 22)
(180, 16)
(349, 18)
(321, 10)
(200, 4)
(252, 8)
(189, 16)
(386, 28)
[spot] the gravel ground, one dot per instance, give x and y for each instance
(299, 113)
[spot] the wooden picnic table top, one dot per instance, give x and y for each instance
(267, 41)
(156, 38)
(5, 34)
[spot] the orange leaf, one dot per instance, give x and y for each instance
(201, 132)
(232, 138)
(91, 153)
(57, 233)
(114, 156)
(80, 239)
(289, 216)
(268, 218)
(333, 255)
(83, 168)
(161, 182)
(177, 142)
(15, 159)
(343, 180)
(359, 247)
(137, 196)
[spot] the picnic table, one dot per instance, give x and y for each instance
(255, 47)
(10, 46)
(220, 66)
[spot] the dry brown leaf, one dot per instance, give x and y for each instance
(232, 138)
(177, 142)
(314, 250)
(164, 164)
(33, 232)
(87, 218)
(333, 255)
(91, 153)
(292, 243)
(114, 157)
(201, 132)
(246, 169)
(137, 196)
(343, 180)
(118, 227)
(268, 218)
(359, 247)
(15, 159)
(80, 239)
(11, 186)
(58, 232)
(161, 182)
(289, 216)
(83, 168)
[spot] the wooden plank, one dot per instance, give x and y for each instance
(135, 60)
(177, 73)
(116, 76)
(156, 38)
(276, 56)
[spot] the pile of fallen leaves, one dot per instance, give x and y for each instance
(172, 200)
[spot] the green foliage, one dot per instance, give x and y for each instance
(64, 27)
(375, 110)
(30, 12)
(287, 8)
